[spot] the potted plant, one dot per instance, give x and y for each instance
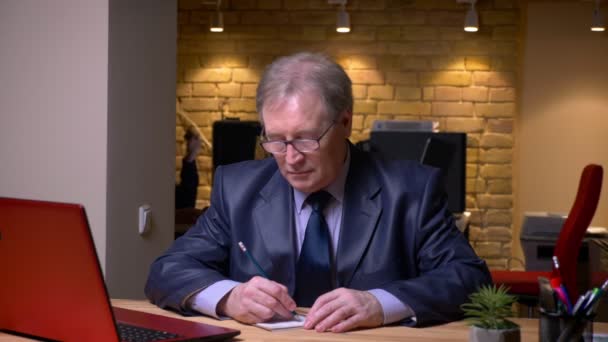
(487, 314)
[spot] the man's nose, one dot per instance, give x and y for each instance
(292, 155)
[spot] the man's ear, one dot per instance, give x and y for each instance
(346, 121)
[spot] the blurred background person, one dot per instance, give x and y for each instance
(185, 191)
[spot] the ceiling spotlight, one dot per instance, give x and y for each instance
(216, 24)
(471, 20)
(343, 19)
(597, 22)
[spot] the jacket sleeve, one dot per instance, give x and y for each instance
(448, 268)
(194, 261)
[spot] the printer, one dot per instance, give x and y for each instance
(539, 233)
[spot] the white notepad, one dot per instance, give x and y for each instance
(296, 322)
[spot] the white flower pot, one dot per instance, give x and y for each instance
(494, 335)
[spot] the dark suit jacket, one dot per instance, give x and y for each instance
(397, 234)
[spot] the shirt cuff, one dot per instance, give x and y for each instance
(393, 309)
(206, 301)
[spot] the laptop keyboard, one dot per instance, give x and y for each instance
(131, 333)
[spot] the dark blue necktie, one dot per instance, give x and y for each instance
(313, 273)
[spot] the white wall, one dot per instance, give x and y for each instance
(53, 104)
(141, 157)
(87, 115)
(563, 123)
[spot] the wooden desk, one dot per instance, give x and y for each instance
(456, 331)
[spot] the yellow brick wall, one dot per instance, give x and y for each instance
(408, 59)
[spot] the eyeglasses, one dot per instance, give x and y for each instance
(301, 145)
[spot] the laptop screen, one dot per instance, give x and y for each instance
(52, 285)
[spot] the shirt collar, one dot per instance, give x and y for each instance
(335, 188)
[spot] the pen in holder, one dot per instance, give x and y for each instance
(561, 327)
(576, 328)
(549, 327)
(563, 322)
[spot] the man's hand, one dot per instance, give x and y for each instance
(257, 300)
(344, 309)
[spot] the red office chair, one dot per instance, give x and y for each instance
(524, 284)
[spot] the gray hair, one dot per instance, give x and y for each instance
(302, 72)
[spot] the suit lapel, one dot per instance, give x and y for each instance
(361, 212)
(273, 218)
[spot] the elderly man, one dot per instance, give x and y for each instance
(364, 242)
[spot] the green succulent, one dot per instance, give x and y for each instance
(489, 308)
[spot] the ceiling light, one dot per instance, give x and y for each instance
(597, 22)
(216, 24)
(343, 21)
(471, 20)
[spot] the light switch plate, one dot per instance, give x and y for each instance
(145, 218)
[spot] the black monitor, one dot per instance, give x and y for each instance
(234, 141)
(446, 151)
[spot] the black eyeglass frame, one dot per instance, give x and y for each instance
(315, 143)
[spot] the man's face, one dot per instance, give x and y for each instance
(303, 117)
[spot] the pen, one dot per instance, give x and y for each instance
(604, 286)
(558, 286)
(258, 267)
(594, 302)
(556, 281)
(253, 261)
(595, 298)
(563, 297)
(581, 303)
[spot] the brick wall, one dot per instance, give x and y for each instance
(407, 60)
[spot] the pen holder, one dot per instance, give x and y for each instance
(564, 328)
(575, 329)
(549, 327)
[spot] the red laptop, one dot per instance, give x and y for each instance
(51, 285)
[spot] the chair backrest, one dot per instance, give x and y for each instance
(575, 226)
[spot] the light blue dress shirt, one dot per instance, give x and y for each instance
(393, 309)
